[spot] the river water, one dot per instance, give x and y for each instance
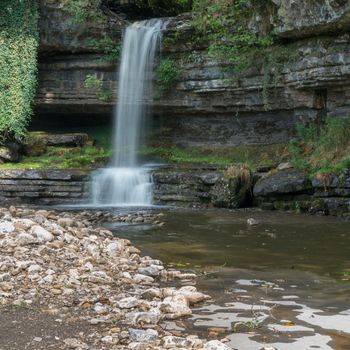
(283, 284)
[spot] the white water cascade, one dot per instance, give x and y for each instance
(125, 182)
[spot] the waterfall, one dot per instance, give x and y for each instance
(125, 182)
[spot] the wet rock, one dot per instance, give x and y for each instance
(190, 293)
(253, 222)
(72, 139)
(23, 224)
(153, 270)
(41, 234)
(114, 248)
(177, 342)
(4, 277)
(73, 343)
(284, 166)
(55, 244)
(283, 182)
(151, 317)
(216, 345)
(175, 307)
(6, 227)
(56, 291)
(139, 335)
(128, 303)
(34, 269)
(108, 339)
(65, 222)
(9, 153)
(25, 239)
(140, 278)
(151, 293)
(215, 332)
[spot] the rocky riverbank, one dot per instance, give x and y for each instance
(65, 268)
(281, 188)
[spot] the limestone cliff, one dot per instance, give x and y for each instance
(204, 108)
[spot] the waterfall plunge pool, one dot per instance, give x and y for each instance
(282, 284)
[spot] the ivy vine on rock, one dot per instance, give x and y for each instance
(18, 56)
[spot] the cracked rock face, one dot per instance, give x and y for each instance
(296, 18)
(233, 110)
(63, 263)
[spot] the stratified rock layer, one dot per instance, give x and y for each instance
(191, 186)
(202, 107)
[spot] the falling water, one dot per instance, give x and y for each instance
(125, 182)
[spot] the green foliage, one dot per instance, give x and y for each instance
(63, 158)
(103, 94)
(178, 155)
(167, 73)
(89, 11)
(322, 149)
(250, 155)
(106, 45)
(84, 11)
(224, 25)
(18, 69)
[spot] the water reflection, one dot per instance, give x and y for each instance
(276, 285)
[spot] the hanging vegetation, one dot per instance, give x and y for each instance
(224, 25)
(18, 57)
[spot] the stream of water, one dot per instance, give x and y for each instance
(125, 182)
(284, 284)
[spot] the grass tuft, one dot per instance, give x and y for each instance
(324, 149)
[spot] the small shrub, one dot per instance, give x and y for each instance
(102, 93)
(167, 73)
(242, 172)
(322, 149)
(84, 11)
(111, 50)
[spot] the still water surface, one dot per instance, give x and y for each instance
(282, 284)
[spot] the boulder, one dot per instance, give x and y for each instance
(175, 307)
(128, 303)
(35, 144)
(9, 153)
(282, 182)
(68, 140)
(42, 234)
(216, 345)
(25, 239)
(140, 335)
(253, 222)
(153, 270)
(173, 342)
(6, 227)
(151, 317)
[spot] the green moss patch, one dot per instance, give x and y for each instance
(253, 156)
(64, 158)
